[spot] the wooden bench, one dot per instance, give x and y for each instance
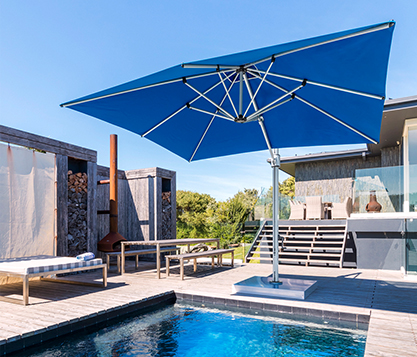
(135, 253)
(188, 256)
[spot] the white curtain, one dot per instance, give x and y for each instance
(27, 202)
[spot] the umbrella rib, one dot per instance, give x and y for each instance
(179, 110)
(336, 119)
(375, 96)
(201, 139)
(208, 99)
(359, 33)
(69, 104)
(209, 113)
(215, 66)
(228, 90)
(253, 117)
(322, 111)
(259, 86)
(267, 107)
(205, 132)
(260, 119)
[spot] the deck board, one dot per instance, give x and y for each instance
(385, 296)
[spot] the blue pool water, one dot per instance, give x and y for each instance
(181, 330)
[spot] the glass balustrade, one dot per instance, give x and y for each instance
(393, 188)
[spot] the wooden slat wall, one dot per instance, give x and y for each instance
(139, 203)
(18, 137)
(62, 204)
(92, 207)
(62, 151)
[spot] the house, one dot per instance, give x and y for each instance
(386, 239)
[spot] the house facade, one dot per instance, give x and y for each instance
(385, 239)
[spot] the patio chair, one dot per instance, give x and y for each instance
(314, 208)
(298, 210)
(342, 210)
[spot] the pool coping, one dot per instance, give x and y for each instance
(286, 309)
(32, 338)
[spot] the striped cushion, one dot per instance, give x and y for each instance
(43, 263)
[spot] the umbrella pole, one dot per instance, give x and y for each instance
(275, 163)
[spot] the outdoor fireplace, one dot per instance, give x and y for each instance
(111, 242)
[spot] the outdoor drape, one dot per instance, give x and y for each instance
(27, 196)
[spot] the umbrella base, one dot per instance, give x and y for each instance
(289, 289)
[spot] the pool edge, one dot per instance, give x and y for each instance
(291, 310)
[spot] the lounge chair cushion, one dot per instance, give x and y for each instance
(43, 263)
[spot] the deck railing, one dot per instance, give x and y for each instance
(395, 188)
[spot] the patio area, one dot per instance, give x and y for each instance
(384, 298)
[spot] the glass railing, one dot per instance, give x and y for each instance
(394, 189)
(263, 207)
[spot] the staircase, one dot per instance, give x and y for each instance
(301, 244)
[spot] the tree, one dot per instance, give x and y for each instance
(287, 192)
(193, 212)
(231, 214)
(287, 188)
(200, 216)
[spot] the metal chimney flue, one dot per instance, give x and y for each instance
(111, 242)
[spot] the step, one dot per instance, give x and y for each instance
(283, 260)
(283, 254)
(310, 242)
(309, 261)
(297, 235)
(259, 258)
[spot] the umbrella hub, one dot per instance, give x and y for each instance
(241, 119)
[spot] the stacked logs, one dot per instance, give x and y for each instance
(77, 213)
(166, 215)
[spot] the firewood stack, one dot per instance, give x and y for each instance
(77, 213)
(166, 215)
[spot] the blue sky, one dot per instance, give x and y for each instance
(55, 51)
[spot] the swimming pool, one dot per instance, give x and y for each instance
(186, 330)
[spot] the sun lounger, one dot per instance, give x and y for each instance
(47, 265)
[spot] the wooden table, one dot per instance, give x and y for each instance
(162, 243)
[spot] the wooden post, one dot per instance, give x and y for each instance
(167, 265)
(182, 268)
(122, 257)
(158, 261)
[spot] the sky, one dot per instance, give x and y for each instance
(53, 51)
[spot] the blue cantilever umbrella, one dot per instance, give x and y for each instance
(325, 90)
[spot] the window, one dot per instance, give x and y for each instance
(410, 165)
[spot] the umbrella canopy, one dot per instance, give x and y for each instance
(321, 91)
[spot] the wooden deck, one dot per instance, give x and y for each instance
(383, 298)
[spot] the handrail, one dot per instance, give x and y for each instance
(258, 233)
